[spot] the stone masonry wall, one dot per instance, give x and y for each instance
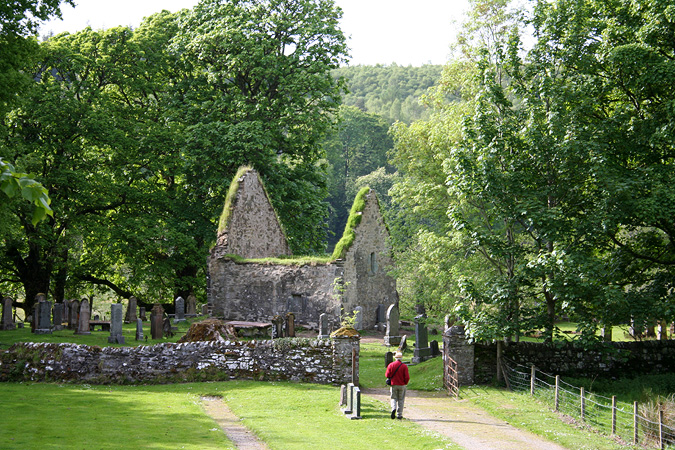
(615, 359)
(322, 361)
(367, 283)
(258, 292)
(253, 230)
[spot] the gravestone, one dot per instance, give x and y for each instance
(84, 316)
(388, 359)
(343, 395)
(116, 319)
(277, 327)
(358, 318)
(191, 310)
(157, 322)
(381, 314)
(57, 313)
(422, 352)
(130, 316)
(404, 344)
(356, 404)
(391, 336)
(43, 313)
(168, 330)
(66, 312)
(433, 345)
(290, 325)
(323, 326)
(7, 317)
(350, 399)
(139, 329)
(205, 310)
(7, 321)
(606, 333)
(180, 310)
(141, 314)
(74, 314)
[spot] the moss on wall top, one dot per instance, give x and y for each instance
(229, 199)
(352, 222)
(288, 261)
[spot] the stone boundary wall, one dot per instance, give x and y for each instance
(324, 361)
(612, 360)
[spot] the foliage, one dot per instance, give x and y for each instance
(12, 183)
(390, 91)
(357, 147)
(354, 219)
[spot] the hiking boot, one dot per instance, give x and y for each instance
(393, 413)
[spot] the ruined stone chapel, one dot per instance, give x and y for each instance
(244, 287)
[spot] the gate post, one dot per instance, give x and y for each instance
(456, 347)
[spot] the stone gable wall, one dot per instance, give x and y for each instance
(325, 361)
(258, 292)
(367, 283)
(253, 230)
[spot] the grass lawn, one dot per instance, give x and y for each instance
(286, 416)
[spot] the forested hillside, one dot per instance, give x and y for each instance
(391, 91)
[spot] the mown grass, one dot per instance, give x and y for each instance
(98, 338)
(286, 416)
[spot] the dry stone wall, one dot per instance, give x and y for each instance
(611, 360)
(322, 361)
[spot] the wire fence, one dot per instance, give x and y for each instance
(629, 423)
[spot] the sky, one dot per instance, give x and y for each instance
(378, 31)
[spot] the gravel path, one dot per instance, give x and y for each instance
(464, 423)
(240, 436)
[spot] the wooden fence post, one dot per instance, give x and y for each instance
(532, 375)
(557, 392)
(583, 404)
(613, 414)
(635, 423)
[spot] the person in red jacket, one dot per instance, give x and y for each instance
(398, 372)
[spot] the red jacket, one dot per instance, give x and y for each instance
(401, 377)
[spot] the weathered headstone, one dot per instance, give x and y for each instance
(73, 314)
(131, 316)
(141, 313)
(191, 310)
(343, 395)
(358, 318)
(43, 313)
(290, 325)
(381, 314)
(323, 326)
(356, 404)
(157, 322)
(116, 319)
(277, 327)
(350, 399)
(7, 317)
(139, 329)
(388, 359)
(167, 329)
(422, 352)
(435, 351)
(57, 313)
(84, 316)
(391, 336)
(404, 344)
(205, 310)
(180, 310)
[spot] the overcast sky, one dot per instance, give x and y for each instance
(379, 31)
